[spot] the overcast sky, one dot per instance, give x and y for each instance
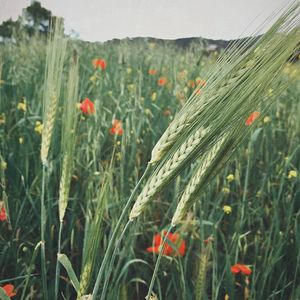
(101, 20)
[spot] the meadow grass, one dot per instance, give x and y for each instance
(82, 208)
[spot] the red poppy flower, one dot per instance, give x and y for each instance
(3, 216)
(87, 106)
(116, 128)
(99, 63)
(9, 290)
(168, 250)
(253, 116)
(152, 72)
(240, 268)
(162, 81)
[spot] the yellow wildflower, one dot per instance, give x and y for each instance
(225, 190)
(153, 96)
(292, 174)
(93, 78)
(230, 178)
(131, 87)
(110, 93)
(227, 209)
(148, 112)
(38, 127)
(21, 140)
(128, 70)
(267, 119)
(3, 165)
(22, 105)
(2, 118)
(153, 296)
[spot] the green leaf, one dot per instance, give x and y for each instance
(3, 295)
(255, 135)
(63, 259)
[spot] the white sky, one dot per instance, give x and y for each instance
(101, 20)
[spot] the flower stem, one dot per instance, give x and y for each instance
(43, 223)
(148, 297)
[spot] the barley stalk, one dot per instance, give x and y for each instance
(53, 79)
(197, 103)
(48, 129)
(85, 279)
(238, 92)
(64, 186)
(202, 273)
(69, 124)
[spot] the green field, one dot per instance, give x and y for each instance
(247, 214)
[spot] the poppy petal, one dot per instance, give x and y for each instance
(235, 269)
(245, 270)
(9, 290)
(253, 116)
(153, 249)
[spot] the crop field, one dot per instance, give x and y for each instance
(78, 124)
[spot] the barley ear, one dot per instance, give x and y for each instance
(84, 279)
(169, 169)
(202, 273)
(56, 50)
(197, 180)
(69, 125)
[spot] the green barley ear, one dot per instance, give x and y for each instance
(202, 272)
(69, 124)
(56, 51)
(232, 94)
(211, 162)
(95, 233)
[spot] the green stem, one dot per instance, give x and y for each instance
(43, 223)
(57, 271)
(115, 232)
(239, 229)
(148, 297)
(113, 260)
(246, 184)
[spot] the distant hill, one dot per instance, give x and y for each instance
(209, 44)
